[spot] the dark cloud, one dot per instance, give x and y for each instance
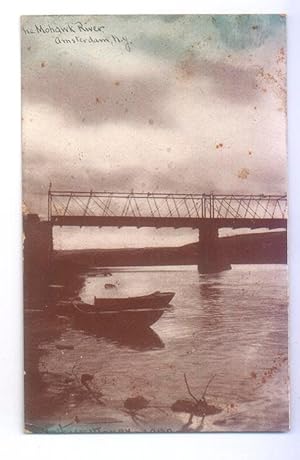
(236, 84)
(90, 96)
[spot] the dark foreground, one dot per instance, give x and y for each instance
(217, 361)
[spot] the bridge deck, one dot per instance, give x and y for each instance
(172, 222)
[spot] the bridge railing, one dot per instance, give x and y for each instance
(165, 205)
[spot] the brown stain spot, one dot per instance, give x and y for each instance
(253, 375)
(83, 120)
(219, 146)
(254, 27)
(29, 48)
(255, 107)
(150, 121)
(117, 83)
(249, 153)
(43, 64)
(98, 100)
(243, 173)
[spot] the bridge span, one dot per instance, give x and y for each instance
(206, 212)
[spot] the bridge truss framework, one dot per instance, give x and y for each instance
(165, 209)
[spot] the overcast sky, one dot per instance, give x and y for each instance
(152, 103)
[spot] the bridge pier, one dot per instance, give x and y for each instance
(38, 247)
(211, 257)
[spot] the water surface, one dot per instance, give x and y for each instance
(232, 325)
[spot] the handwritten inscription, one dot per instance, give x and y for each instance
(78, 32)
(71, 428)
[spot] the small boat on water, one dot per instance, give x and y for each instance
(118, 319)
(155, 300)
(118, 313)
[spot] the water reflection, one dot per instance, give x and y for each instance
(208, 332)
(142, 340)
(210, 291)
(211, 294)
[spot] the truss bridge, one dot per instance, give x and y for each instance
(157, 210)
(205, 212)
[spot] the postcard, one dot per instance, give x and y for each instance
(154, 223)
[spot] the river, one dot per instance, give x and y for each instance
(231, 327)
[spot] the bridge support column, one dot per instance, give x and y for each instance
(211, 256)
(38, 246)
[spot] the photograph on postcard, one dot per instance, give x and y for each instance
(154, 223)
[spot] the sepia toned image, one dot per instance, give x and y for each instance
(155, 223)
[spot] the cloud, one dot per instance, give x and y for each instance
(97, 122)
(92, 96)
(40, 170)
(235, 83)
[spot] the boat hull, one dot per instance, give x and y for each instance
(154, 301)
(117, 313)
(129, 319)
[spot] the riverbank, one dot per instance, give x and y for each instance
(257, 248)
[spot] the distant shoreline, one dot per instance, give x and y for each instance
(258, 248)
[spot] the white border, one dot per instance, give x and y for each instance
(13, 444)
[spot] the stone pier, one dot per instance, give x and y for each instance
(211, 257)
(37, 249)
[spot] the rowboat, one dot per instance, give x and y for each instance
(118, 313)
(155, 300)
(124, 319)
